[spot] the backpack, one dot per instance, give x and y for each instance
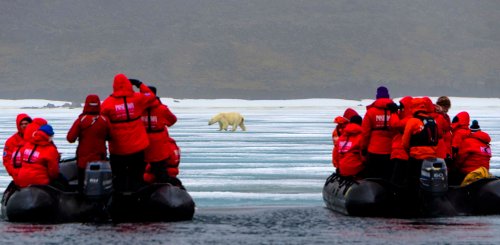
(428, 136)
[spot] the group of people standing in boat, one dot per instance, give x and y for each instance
(391, 141)
(134, 124)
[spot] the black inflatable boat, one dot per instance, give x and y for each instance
(96, 202)
(434, 198)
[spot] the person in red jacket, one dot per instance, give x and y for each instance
(474, 151)
(341, 122)
(460, 130)
(377, 135)
(14, 144)
(91, 129)
(124, 109)
(420, 138)
(442, 106)
(348, 149)
(399, 155)
(28, 134)
(40, 159)
(159, 155)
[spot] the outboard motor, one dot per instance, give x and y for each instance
(434, 177)
(98, 183)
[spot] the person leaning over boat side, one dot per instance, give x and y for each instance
(14, 144)
(474, 151)
(92, 130)
(128, 140)
(40, 159)
(159, 155)
(348, 149)
(341, 122)
(377, 136)
(420, 138)
(399, 156)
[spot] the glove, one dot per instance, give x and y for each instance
(392, 107)
(135, 82)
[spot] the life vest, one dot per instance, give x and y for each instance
(428, 136)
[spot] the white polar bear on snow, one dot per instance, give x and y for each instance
(225, 119)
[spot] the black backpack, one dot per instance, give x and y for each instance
(429, 134)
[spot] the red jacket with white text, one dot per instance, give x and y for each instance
(377, 136)
(124, 109)
(40, 161)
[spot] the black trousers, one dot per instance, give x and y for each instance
(128, 171)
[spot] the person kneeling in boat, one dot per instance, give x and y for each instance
(91, 129)
(40, 160)
(162, 154)
(420, 138)
(474, 154)
(348, 153)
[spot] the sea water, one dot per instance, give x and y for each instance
(262, 186)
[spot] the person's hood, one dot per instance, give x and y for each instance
(406, 103)
(482, 136)
(32, 127)
(380, 103)
(19, 118)
(462, 119)
(340, 120)
(92, 104)
(122, 86)
(349, 112)
(41, 138)
(419, 105)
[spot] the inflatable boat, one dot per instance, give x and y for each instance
(96, 202)
(431, 198)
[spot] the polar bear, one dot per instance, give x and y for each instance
(225, 119)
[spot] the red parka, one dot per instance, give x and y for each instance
(444, 126)
(415, 126)
(13, 146)
(124, 109)
(460, 129)
(398, 125)
(341, 122)
(377, 136)
(40, 161)
(32, 127)
(349, 150)
(173, 161)
(474, 152)
(91, 129)
(156, 119)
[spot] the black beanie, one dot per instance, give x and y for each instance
(474, 127)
